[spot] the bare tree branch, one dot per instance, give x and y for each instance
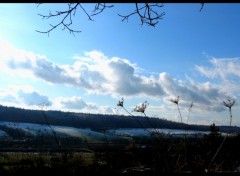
(148, 13)
(38, 4)
(202, 4)
(89, 17)
(66, 15)
(67, 18)
(100, 7)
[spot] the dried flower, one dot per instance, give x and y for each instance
(141, 108)
(120, 102)
(229, 103)
(176, 100)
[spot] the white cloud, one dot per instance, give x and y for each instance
(78, 104)
(227, 71)
(127, 83)
(98, 74)
(206, 96)
(23, 96)
(95, 72)
(33, 98)
(28, 97)
(71, 103)
(222, 68)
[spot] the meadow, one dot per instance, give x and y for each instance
(84, 152)
(50, 142)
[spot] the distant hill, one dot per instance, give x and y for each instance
(94, 121)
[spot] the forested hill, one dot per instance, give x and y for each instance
(93, 121)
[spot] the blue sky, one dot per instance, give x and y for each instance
(191, 54)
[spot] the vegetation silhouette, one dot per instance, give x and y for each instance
(149, 14)
(132, 155)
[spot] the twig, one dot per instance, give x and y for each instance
(67, 14)
(202, 4)
(147, 14)
(100, 7)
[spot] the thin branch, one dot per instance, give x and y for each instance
(67, 14)
(38, 4)
(202, 4)
(147, 14)
(89, 17)
(100, 7)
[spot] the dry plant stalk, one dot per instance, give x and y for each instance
(120, 104)
(141, 108)
(49, 125)
(229, 103)
(176, 101)
(189, 110)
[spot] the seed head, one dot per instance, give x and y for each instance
(120, 102)
(229, 103)
(176, 100)
(141, 108)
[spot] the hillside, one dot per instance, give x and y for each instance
(94, 121)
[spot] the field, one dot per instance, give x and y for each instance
(31, 149)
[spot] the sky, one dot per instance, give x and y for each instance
(190, 53)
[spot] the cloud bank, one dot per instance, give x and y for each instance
(97, 73)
